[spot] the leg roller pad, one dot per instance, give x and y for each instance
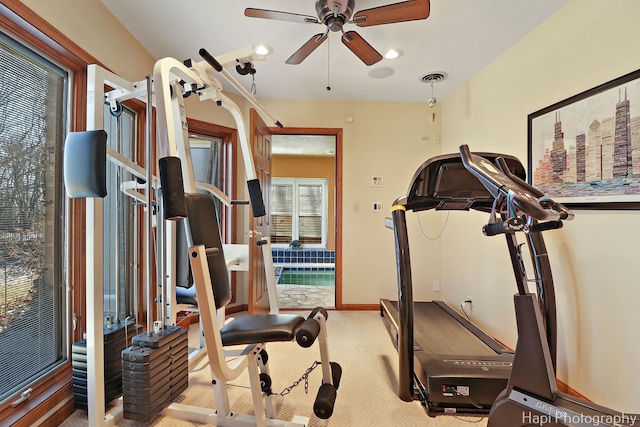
(336, 374)
(308, 332)
(317, 310)
(325, 400)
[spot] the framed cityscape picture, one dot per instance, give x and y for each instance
(585, 151)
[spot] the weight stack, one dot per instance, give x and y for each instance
(155, 370)
(116, 338)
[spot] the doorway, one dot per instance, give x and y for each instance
(305, 224)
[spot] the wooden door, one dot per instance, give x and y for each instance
(260, 137)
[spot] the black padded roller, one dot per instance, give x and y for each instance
(336, 374)
(255, 194)
(174, 206)
(325, 401)
(317, 310)
(308, 333)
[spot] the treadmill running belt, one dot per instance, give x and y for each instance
(437, 332)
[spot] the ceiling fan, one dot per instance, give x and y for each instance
(336, 13)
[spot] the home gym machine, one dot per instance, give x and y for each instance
(446, 361)
(85, 156)
(172, 79)
(532, 397)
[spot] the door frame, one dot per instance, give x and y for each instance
(337, 132)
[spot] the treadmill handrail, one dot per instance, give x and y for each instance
(565, 213)
(499, 184)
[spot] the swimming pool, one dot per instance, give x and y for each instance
(306, 276)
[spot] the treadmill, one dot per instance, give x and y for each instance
(445, 361)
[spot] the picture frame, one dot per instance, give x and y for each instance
(584, 151)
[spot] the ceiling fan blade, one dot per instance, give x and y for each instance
(280, 16)
(306, 49)
(411, 10)
(361, 48)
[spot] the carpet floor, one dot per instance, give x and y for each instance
(367, 395)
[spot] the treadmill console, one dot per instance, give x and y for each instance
(443, 183)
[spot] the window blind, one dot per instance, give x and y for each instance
(310, 213)
(298, 210)
(281, 213)
(32, 118)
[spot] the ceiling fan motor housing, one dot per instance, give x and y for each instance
(334, 14)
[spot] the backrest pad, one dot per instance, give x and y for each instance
(203, 224)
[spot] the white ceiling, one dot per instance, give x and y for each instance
(460, 38)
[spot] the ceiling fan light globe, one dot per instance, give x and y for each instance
(262, 49)
(393, 53)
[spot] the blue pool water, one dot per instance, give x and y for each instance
(306, 276)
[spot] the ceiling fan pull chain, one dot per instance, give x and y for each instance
(253, 85)
(328, 59)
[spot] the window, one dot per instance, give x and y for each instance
(32, 127)
(213, 159)
(206, 157)
(120, 219)
(299, 211)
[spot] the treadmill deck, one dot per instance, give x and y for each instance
(457, 367)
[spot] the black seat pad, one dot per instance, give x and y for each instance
(261, 328)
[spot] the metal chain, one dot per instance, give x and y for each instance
(253, 85)
(304, 377)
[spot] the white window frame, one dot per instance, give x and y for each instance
(295, 232)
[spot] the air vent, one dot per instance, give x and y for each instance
(434, 77)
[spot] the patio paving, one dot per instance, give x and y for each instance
(302, 296)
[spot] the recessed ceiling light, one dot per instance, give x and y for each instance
(393, 53)
(262, 49)
(381, 72)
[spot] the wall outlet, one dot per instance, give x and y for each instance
(376, 181)
(377, 206)
(436, 286)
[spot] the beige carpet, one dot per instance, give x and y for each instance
(359, 342)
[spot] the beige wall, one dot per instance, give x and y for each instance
(595, 257)
(91, 26)
(310, 167)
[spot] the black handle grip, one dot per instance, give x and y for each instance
(261, 242)
(239, 202)
(210, 59)
(509, 226)
(551, 225)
